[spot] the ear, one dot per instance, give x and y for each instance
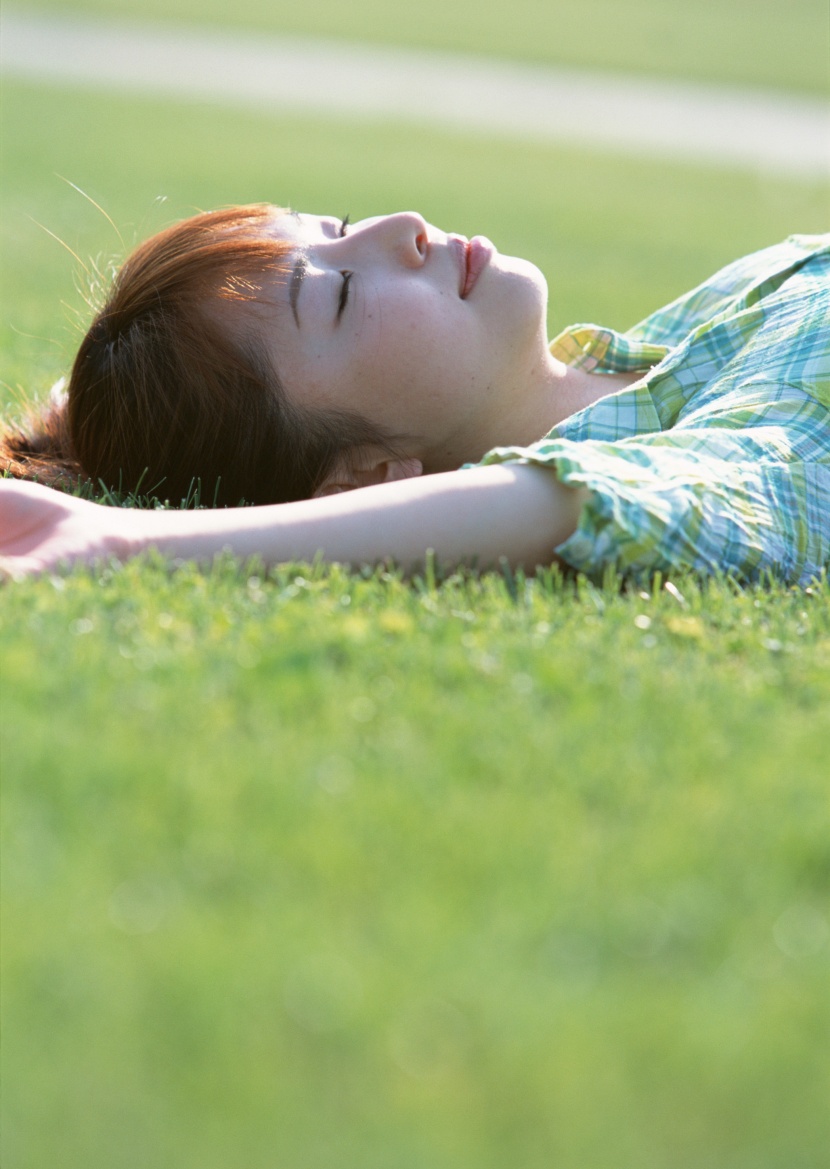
(347, 477)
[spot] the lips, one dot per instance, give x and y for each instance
(472, 256)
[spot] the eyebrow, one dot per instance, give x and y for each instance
(297, 277)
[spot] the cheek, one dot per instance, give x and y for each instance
(417, 350)
(398, 348)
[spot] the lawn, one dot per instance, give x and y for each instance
(311, 869)
(325, 870)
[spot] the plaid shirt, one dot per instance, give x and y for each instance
(718, 457)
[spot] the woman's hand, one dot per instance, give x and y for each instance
(41, 529)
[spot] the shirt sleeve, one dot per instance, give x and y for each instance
(741, 501)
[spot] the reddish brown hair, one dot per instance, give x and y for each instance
(164, 395)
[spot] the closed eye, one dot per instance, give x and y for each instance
(344, 223)
(344, 293)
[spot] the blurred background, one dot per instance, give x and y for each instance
(616, 233)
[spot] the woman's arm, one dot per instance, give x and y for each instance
(473, 517)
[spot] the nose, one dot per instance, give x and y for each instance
(402, 236)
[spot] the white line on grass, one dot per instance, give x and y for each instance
(727, 126)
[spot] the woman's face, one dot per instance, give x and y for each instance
(425, 334)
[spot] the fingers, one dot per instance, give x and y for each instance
(17, 568)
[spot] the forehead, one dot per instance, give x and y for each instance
(299, 227)
(285, 223)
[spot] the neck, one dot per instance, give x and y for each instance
(555, 393)
(571, 390)
(548, 395)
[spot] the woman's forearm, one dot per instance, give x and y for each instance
(516, 512)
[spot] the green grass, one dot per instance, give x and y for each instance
(318, 869)
(321, 869)
(745, 42)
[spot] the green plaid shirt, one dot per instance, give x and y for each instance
(718, 457)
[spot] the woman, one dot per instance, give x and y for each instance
(284, 358)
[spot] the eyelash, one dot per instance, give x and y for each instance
(344, 291)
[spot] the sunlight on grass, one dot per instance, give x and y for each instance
(394, 873)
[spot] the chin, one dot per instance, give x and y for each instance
(515, 264)
(528, 292)
(527, 279)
